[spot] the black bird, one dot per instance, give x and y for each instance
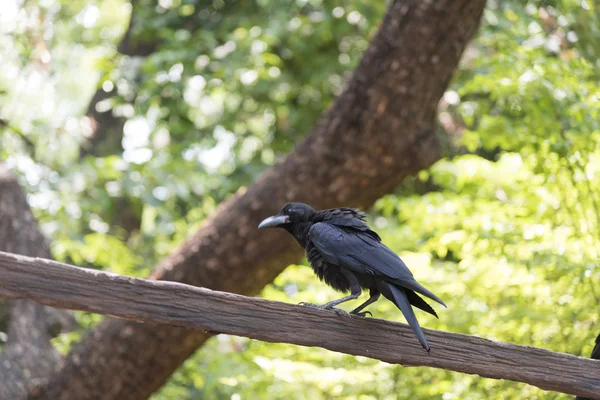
(346, 254)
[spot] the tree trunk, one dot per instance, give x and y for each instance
(378, 131)
(28, 359)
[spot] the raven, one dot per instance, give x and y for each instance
(346, 254)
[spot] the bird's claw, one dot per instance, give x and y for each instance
(311, 305)
(362, 314)
(338, 311)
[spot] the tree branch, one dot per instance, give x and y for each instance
(158, 302)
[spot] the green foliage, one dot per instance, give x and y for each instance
(508, 234)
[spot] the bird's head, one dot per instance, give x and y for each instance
(290, 214)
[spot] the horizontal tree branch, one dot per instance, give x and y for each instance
(161, 302)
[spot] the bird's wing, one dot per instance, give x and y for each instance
(349, 218)
(328, 241)
(361, 253)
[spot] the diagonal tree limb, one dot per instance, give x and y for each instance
(200, 309)
(378, 131)
(28, 358)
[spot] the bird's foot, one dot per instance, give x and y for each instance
(311, 305)
(338, 311)
(361, 314)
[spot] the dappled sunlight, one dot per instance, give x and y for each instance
(204, 97)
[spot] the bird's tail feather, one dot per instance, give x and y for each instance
(401, 301)
(415, 300)
(417, 287)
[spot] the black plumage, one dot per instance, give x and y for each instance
(348, 256)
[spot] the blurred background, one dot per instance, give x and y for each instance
(126, 136)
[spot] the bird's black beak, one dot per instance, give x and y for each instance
(274, 221)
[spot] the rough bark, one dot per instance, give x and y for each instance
(156, 302)
(594, 356)
(28, 358)
(378, 131)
